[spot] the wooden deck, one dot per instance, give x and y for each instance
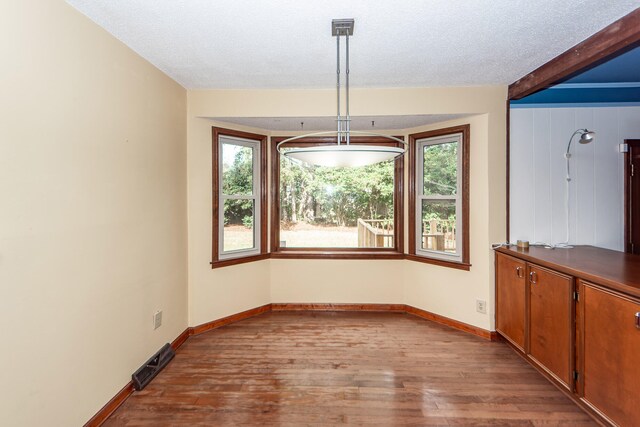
(386, 369)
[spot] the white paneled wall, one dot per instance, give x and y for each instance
(539, 138)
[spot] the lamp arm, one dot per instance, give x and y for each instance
(567, 154)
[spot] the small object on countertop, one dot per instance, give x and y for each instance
(523, 244)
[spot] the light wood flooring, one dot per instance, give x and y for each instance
(320, 368)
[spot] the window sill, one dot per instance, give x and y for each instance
(336, 254)
(239, 260)
(443, 263)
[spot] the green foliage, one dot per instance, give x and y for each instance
(339, 196)
(440, 169)
(326, 195)
(440, 178)
(237, 179)
(247, 221)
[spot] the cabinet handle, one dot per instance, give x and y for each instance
(533, 277)
(638, 320)
(520, 272)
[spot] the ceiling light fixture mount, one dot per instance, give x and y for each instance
(342, 153)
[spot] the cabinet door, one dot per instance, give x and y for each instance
(551, 321)
(510, 298)
(610, 354)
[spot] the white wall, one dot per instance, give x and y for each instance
(539, 138)
(92, 214)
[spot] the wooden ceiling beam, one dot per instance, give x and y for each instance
(623, 33)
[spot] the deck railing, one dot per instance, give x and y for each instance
(375, 233)
(439, 235)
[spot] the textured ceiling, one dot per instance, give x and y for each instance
(206, 44)
(362, 123)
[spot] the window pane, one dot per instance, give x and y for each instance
(439, 225)
(440, 168)
(238, 225)
(237, 169)
(327, 207)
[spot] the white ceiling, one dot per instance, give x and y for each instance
(205, 44)
(362, 123)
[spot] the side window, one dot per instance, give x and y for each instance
(239, 197)
(440, 198)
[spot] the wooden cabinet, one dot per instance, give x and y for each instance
(609, 359)
(550, 322)
(510, 298)
(534, 312)
(587, 341)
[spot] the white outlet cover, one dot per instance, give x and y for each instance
(157, 319)
(481, 306)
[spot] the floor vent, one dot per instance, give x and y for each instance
(152, 367)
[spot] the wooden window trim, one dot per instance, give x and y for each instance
(263, 253)
(465, 130)
(337, 253)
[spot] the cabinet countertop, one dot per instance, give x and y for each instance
(615, 270)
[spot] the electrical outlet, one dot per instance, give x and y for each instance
(157, 319)
(481, 306)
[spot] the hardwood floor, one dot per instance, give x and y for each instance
(323, 368)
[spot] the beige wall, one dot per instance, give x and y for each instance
(95, 178)
(92, 214)
(452, 293)
(214, 293)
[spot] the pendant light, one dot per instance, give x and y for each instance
(342, 153)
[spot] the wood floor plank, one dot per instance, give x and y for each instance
(323, 369)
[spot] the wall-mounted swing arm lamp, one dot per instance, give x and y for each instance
(586, 136)
(343, 153)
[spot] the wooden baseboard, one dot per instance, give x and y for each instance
(229, 319)
(400, 308)
(108, 409)
(175, 345)
(123, 394)
(396, 308)
(483, 333)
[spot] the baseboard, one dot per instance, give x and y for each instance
(229, 319)
(395, 308)
(120, 397)
(181, 339)
(123, 394)
(338, 307)
(455, 324)
(108, 409)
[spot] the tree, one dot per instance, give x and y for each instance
(237, 179)
(336, 195)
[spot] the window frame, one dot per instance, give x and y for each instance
(337, 253)
(415, 198)
(260, 250)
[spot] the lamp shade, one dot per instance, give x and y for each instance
(586, 137)
(344, 155)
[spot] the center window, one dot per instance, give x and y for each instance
(336, 211)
